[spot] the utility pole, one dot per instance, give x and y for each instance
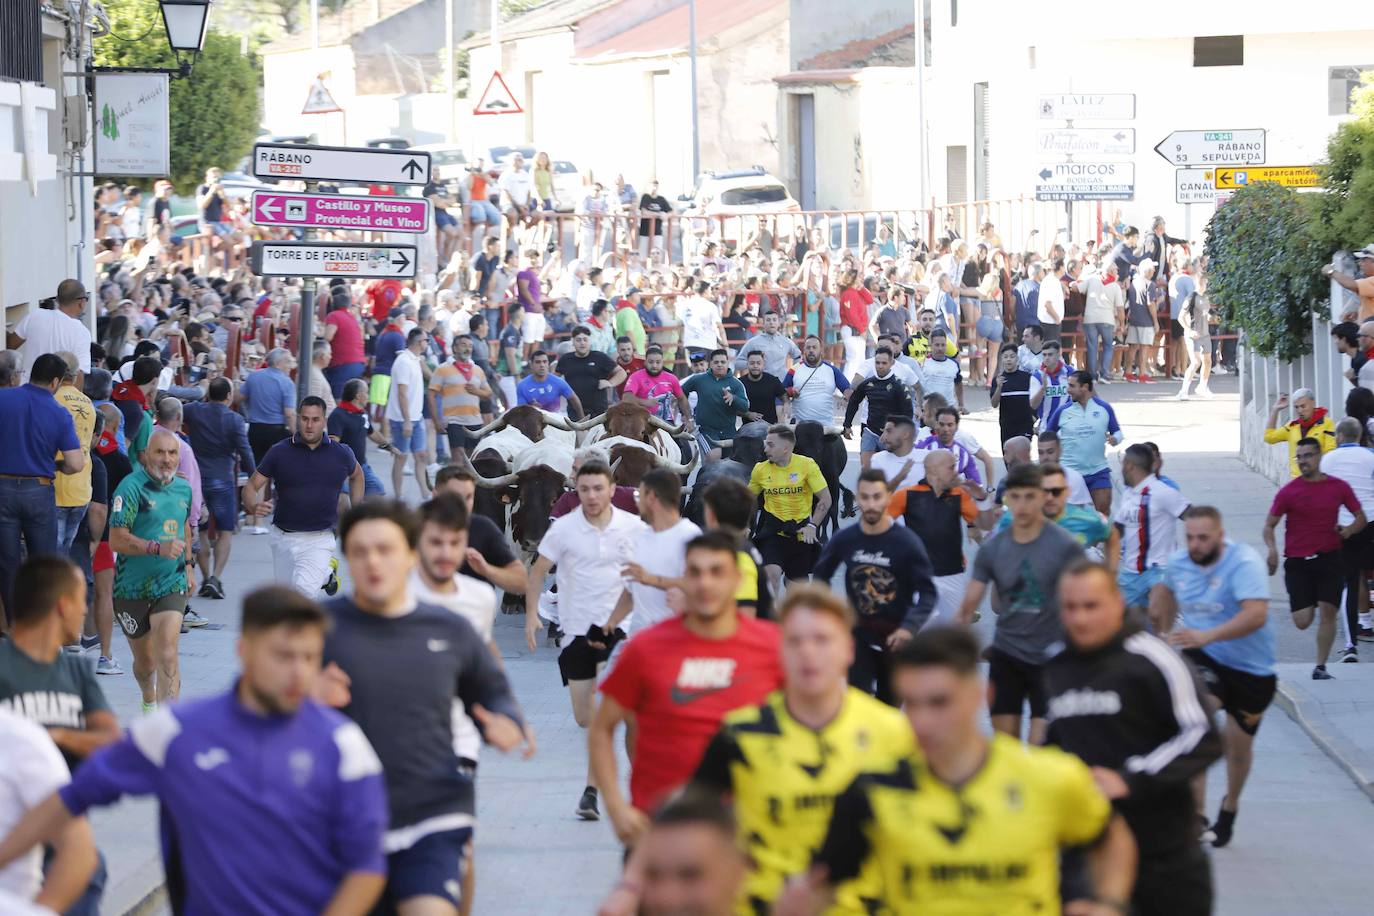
(921, 101)
(305, 323)
(451, 66)
(692, 53)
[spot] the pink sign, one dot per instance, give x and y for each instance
(341, 211)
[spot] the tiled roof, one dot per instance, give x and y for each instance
(558, 14)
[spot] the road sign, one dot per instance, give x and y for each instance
(340, 163)
(320, 100)
(1086, 141)
(1088, 106)
(497, 99)
(1194, 186)
(330, 259)
(1086, 181)
(340, 211)
(1213, 147)
(1290, 176)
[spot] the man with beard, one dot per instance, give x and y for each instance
(812, 386)
(765, 390)
(887, 578)
(659, 391)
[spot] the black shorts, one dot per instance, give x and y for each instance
(262, 436)
(1310, 580)
(1357, 552)
(135, 615)
(796, 558)
(1014, 683)
(1178, 884)
(579, 659)
(1175, 329)
(432, 867)
(1243, 695)
(460, 437)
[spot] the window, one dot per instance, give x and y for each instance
(746, 197)
(1340, 82)
(1219, 51)
(21, 40)
(956, 174)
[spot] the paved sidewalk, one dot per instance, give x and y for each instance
(1337, 715)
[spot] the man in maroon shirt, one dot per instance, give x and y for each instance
(1312, 544)
(625, 358)
(625, 499)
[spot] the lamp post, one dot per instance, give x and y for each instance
(186, 22)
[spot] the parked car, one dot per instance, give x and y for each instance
(387, 143)
(567, 185)
(450, 163)
(737, 193)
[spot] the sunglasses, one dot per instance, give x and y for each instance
(1056, 492)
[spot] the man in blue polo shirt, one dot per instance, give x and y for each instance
(547, 392)
(308, 470)
(1085, 424)
(218, 436)
(41, 428)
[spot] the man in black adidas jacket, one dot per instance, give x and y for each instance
(1130, 707)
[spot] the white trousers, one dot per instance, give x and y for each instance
(854, 350)
(951, 594)
(302, 558)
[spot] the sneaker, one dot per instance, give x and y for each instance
(90, 642)
(107, 666)
(586, 806)
(1104, 380)
(1223, 827)
(1205, 833)
(1320, 673)
(1205, 392)
(192, 620)
(149, 708)
(1182, 395)
(434, 469)
(213, 588)
(1219, 370)
(331, 585)
(206, 589)
(254, 529)
(1350, 656)
(1366, 634)
(1145, 379)
(1129, 377)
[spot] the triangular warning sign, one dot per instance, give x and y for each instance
(497, 98)
(320, 101)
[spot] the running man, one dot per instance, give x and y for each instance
(787, 534)
(1129, 707)
(887, 396)
(783, 762)
(1355, 465)
(930, 830)
(547, 392)
(1148, 521)
(308, 470)
(1087, 527)
(660, 555)
(208, 760)
(1312, 543)
(1086, 424)
(658, 390)
(888, 578)
(590, 547)
(394, 666)
(813, 385)
(939, 510)
(1214, 605)
(1024, 562)
(150, 532)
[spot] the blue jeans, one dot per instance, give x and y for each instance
(69, 519)
(372, 484)
(338, 376)
(28, 513)
(1099, 336)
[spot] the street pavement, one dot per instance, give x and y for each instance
(1301, 807)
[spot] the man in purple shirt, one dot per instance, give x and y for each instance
(261, 761)
(946, 428)
(531, 297)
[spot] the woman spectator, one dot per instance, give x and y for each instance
(989, 329)
(118, 341)
(854, 302)
(1359, 403)
(737, 329)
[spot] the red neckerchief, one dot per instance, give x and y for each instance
(1369, 354)
(107, 443)
(595, 323)
(392, 326)
(350, 407)
(1317, 416)
(128, 391)
(1045, 368)
(464, 369)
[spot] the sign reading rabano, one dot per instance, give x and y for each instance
(131, 124)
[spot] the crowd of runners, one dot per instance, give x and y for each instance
(792, 747)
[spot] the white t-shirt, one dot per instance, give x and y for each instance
(1354, 465)
(815, 397)
(700, 320)
(1148, 517)
(940, 375)
(406, 371)
(517, 185)
(31, 769)
(589, 566)
(1078, 487)
(475, 602)
(891, 465)
(53, 331)
(661, 553)
(1051, 293)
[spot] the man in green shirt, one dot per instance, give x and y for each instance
(720, 398)
(627, 320)
(149, 530)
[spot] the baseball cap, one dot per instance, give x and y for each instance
(1365, 252)
(631, 291)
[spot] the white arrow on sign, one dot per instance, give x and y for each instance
(340, 163)
(1213, 147)
(267, 210)
(331, 259)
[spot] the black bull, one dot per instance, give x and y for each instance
(828, 451)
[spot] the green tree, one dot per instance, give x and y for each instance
(1264, 265)
(214, 113)
(1346, 213)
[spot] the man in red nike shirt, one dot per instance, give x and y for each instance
(679, 678)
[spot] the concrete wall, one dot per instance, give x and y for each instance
(287, 78)
(822, 25)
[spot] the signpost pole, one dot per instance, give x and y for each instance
(305, 325)
(1188, 221)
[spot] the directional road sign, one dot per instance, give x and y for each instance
(1086, 181)
(1194, 186)
(340, 211)
(1213, 147)
(331, 259)
(1290, 176)
(1088, 106)
(340, 163)
(1086, 141)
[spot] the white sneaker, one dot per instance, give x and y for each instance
(254, 529)
(1205, 392)
(434, 469)
(1182, 395)
(1219, 370)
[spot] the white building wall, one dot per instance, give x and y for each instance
(287, 78)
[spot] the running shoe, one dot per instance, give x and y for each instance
(1182, 395)
(586, 806)
(1205, 392)
(1145, 379)
(192, 620)
(1131, 378)
(254, 529)
(1350, 656)
(1223, 827)
(90, 642)
(107, 666)
(149, 708)
(1366, 634)
(331, 585)
(1205, 833)
(1320, 673)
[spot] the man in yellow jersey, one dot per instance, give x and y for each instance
(976, 826)
(795, 501)
(728, 504)
(784, 762)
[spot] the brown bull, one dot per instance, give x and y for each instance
(527, 418)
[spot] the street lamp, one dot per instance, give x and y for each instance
(186, 22)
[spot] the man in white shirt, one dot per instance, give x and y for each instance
(812, 386)
(901, 462)
(702, 330)
(1048, 449)
(660, 555)
(1148, 518)
(405, 413)
(1050, 307)
(590, 547)
(55, 330)
(515, 184)
(1355, 465)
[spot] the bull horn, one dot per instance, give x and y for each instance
(584, 424)
(658, 422)
(615, 467)
(677, 468)
(490, 483)
(834, 430)
(558, 422)
(495, 425)
(722, 443)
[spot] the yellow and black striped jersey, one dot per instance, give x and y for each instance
(990, 846)
(784, 777)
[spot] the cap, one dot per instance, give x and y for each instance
(1365, 252)
(396, 312)
(631, 291)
